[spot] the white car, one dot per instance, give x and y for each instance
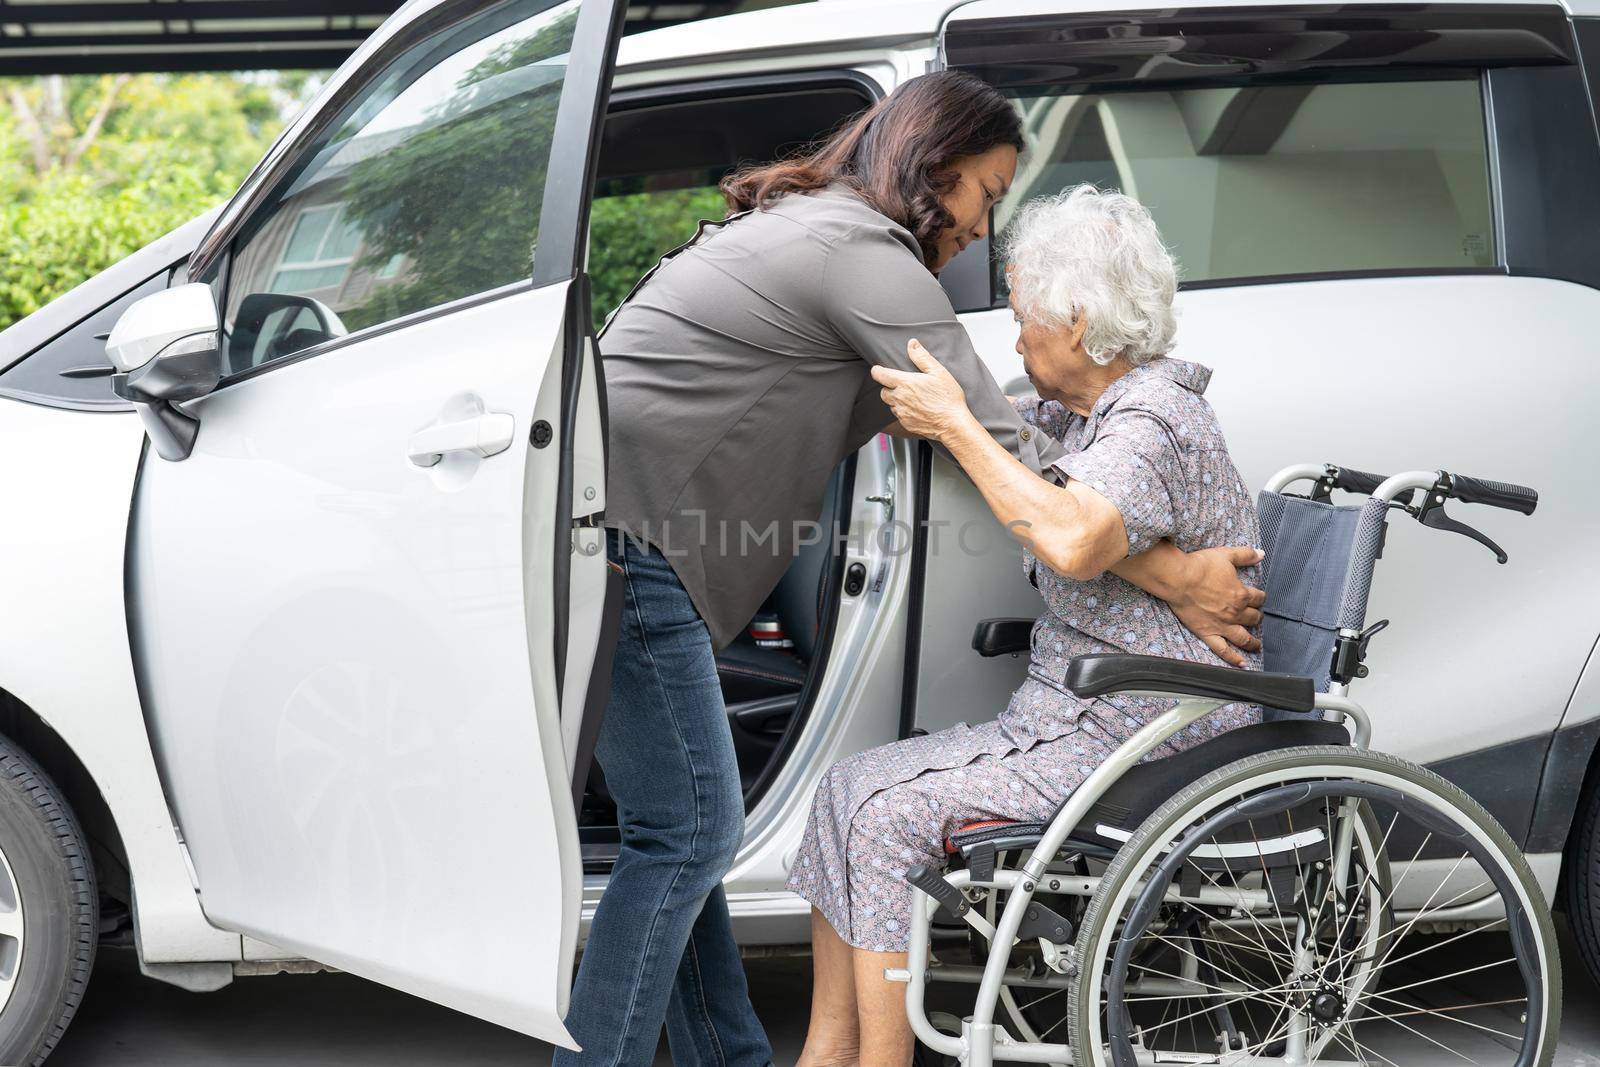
(299, 620)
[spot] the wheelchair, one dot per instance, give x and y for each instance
(1278, 894)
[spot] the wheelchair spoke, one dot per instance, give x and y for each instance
(1369, 876)
(1445, 1013)
(1395, 936)
(1485, 928)
(1418, 1033)
(1248, 913)
(1258, 995)
(1361, 1051)
(1190, 952)
(1409, 923)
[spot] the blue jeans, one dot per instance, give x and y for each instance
(661, 948)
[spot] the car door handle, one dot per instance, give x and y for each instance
(483, 435)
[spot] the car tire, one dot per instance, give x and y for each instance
(49, 911)
(1583, 880)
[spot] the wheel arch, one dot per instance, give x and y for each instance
(1571, 771)
(29, 732)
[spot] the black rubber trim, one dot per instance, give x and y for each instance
(915, 601)
(1001, 637)
(580, 118)
(755, 84)
(1566, 767)
(1093, 676)
(577, 337)
(599, 694)
(818, 668)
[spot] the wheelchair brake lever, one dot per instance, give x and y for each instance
(1433, 515)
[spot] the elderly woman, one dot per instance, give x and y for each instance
(1092, 288)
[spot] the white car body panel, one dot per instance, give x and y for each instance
(68, 491)
(346, 663)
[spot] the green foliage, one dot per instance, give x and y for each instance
(629, 233)
(93, 168)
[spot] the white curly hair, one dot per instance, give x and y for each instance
(1099, 255)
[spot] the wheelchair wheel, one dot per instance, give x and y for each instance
(1317, 903)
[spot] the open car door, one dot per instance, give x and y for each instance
(359, 600)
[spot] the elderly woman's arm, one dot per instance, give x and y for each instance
(1075, 530)
(1202, 588)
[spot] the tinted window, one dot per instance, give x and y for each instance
(660, 166)
(426, 191)
(1283, 179)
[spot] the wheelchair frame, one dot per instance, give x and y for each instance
(981, 1042)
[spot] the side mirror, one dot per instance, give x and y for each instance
(268, 326)
(165, 350)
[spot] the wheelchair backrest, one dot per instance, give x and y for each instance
(1319, 561)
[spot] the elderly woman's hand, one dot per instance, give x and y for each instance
(927, 402)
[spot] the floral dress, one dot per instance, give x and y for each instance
(1152, 447)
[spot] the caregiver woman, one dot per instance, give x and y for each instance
(737, 379)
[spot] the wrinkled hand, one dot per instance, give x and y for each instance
(928, 401)
(1218, 607)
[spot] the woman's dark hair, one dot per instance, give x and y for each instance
(896, 154)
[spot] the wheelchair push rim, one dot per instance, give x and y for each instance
(1323, 996)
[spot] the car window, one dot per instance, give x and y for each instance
(1285, 179)
(661, 164)
(426, 190)
(634, 222)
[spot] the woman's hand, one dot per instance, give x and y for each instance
(927, 402)
(1219, 608)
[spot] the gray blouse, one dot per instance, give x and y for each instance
(737, 380)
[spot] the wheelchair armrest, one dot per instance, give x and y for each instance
(998, 637)
(1093, 676)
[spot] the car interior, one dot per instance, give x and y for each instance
(663, 154)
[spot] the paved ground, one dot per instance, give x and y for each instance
(333, 1019)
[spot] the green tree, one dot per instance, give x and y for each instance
(93, 168)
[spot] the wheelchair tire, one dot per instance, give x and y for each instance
(1364, 774)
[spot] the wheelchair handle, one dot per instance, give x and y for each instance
(1353, 481)
(1495, 494)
